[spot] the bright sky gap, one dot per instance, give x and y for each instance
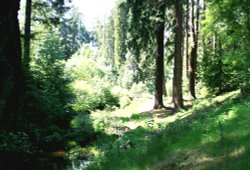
(92, 10)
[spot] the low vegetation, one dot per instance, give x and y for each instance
(155, 85)
(213, 134)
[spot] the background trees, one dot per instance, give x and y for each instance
(147, 27)
(226, 53)
(67, 76)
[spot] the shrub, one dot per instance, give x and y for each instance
(17, 142)
(92, 96)
(92, 81)
(82, 131)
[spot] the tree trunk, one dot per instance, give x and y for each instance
(160, 60)
(10, 66)
(26, 57)
(177, 80)
(220, 65)
(187, 38)
(194, 47)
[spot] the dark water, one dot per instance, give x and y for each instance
(16, 161)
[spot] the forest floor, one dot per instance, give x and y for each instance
(138, 114)
(213, 134)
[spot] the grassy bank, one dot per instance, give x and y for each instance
(215, 134)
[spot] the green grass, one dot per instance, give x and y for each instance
(214, 134)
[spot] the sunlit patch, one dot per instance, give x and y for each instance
(237, 152)
(231, 114)
(208, 138)
(226, 96)
(205, 158)
(134, 125)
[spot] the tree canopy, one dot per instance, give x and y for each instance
(149, 78)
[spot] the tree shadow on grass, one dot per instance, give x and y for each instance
(228, 146)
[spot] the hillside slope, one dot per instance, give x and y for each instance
(214, 134)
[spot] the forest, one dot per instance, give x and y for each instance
(155, 85)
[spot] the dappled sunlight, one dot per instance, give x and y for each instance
(137, 114)
(209, 146)
(124, 85)
(237, 152)
(134, 125)
(193, 138)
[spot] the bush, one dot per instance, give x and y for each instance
(17, 142)
(47, 112)
(92, 81)
(82, 131)
(92, 96)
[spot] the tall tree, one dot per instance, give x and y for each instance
(73, 33)
(110, 40)
(194, 47)
(177, 79)
(146, 35)
(120, 33)
(10, 66)
(26, 56)
(159, 74)
(187, 39)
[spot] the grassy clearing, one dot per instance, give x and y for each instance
(214, 134)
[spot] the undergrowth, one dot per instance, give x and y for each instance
(214, 133)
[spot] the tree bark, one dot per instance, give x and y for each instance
(194, 47)
(159, 77)
(10, 66)
(220, 64)
(177, 79)
(26, 57)
(187, 38)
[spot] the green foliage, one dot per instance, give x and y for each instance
(73, 33)
(17, 142)
(130, 140)
(229, 61)
(47, 95)
(111, 37)
(81, 131)
(91, 97)
(74, 103)
(120, 33)
(225, 79)
(92, 83)
(67, 20)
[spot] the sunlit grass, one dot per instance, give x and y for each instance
(212, 135)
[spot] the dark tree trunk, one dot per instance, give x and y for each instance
(194, 47)
(10, 66)
(220, 65)
(159, 77)
(26, 59)
(177, 80)
(192, 78)
(187, 38)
